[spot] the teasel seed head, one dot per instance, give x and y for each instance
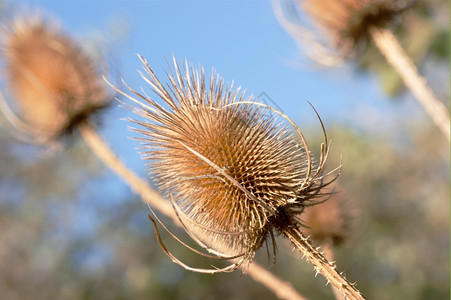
(348, 22)
(234, 171)
(332, 221)
(56, 86)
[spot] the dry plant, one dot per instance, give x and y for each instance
(56, 86)
(330, 224)
(234, 172)
(347, 26)
(59, 89)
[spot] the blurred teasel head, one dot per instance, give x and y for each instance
(233, 169)
(349, 21)
(332, 221)
(346, 24)
(55, 85)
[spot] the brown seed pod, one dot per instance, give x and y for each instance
(55, 85)
(348, 22)
(234, 171)
(332, 221)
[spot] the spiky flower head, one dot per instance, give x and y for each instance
(331, 221)
(348, 22)
(55, 84)
(233, 169)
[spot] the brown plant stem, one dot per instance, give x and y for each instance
(282, 289)
(137, 184)
(321, 264)
(389, 46)
(329, 255)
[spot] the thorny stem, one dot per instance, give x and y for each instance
(282, 289)
(395, 55)
(329, 255)
(321, 264)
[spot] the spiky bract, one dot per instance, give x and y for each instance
(349, 21)
(235, 171)
(55, 84)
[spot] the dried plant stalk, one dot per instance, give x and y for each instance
(234, 172)
(281, 289)
(322, 265)
(389, 46)
(329, 255)
(137, 184)
(329, 224)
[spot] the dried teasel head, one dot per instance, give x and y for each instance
(332, 221)
(56, 86)
(348, 22)
(340, 28)
(233, 169)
